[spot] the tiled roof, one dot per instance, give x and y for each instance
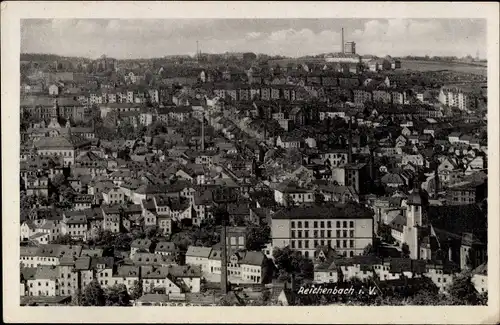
(46, 272)
(184, 271)
(198, 251)
(165, 246)
(54, 143)
(330, 211)
(253, 258)
(141, 243)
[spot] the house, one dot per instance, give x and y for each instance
(392, 180)
(253, 267)
(454, 137)
(346, 226)
(199, 256)
(288, 193)
(288, 142)
(43, 282)
(166, 248)
(75, 224)
(140, 245)
(326, 272)
(480, 278)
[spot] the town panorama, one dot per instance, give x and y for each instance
(249, 179)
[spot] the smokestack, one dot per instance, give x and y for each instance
(197, 51)
(342, 45)
(203, 131)
(223, 260)
(349, 144)
(371, 165)
(436, 179)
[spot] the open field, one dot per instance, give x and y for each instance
(436, 66)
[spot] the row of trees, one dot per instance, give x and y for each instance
(117, 295)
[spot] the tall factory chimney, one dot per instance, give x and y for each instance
(349, 144)
(203, 131)
(197, 51)
(342, 45)
(223, 260)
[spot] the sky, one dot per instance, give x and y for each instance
(148, 38)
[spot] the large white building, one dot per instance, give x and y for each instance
(343, 58)
(348, 228)
(458, 97)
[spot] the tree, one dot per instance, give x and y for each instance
(384, 231)
(104, 238)
(462, 290)
(117, 295)
(291, 263)
(368, 250)
(153, 232)
(126, 131)
(77, 298)
(58, 180)
(122, 242)
(27, 202)
(405, 250)
(93, 295)
(137, 290)
(66, 196)
(258, 237)
(64, 240)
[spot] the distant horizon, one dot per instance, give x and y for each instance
(222, 53)
(155, 38)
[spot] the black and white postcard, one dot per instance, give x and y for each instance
(273, 155)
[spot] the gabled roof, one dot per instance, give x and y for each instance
(165, 246)
(256, 258)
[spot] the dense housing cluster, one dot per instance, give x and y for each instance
(236, 180)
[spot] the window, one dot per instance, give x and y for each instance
(322, 224)
(338, 243)
(306, 244)
(338, 233)
(293, 233)
(344, 233)
(315, 234)
(293, 243)
(300, 244)
(306, 233)
(293, 224)
(344, 224)
(351, 224)
(351, 254)
(299, 233)
(351, 233)
(344, 243)
(338, 224)
(329, 224)
(351, 243)
(315, 224)
(306, 224)
(299, 224)
(329, 233)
